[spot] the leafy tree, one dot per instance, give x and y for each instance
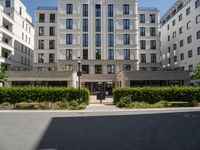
(3, 74)
(196, 73)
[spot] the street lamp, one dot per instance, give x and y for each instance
(79, 77)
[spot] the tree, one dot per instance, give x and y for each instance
(196, 73)
(3, 74)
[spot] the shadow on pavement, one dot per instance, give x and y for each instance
(175, 131)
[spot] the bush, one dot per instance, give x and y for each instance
(16, 95)
(125, 102)
(153, 95)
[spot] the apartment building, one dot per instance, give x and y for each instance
(180, 35)
(16, 36)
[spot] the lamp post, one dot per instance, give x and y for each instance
(79, 77)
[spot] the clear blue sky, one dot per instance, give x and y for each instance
(162, 5)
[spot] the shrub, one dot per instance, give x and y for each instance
(153, 95)
(125, 102)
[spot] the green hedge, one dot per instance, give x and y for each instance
(155, 94)
(40, 94)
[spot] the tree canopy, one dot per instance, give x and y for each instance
(3, 74)
(196, 72)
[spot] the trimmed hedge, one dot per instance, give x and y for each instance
(155, 94)
(40, 94)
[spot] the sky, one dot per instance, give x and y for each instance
(162, 5)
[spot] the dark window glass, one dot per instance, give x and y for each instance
(85, 10)
(98, 10)
(126, 9)
(85, 25)
(110, 10)
(69, 8)
(68, 54)
(127, 54)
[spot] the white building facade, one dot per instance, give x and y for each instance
(16, 36)
(180, 35)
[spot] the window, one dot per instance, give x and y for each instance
(168, 37)
(169, 49)
(180, 30)
(98, 69)
(41, 44)
(143, 58)
(98, 25)
(20, 10)
(111, 69)
(153, 44)
(198, 35)
(168, 27)
(41, 18)
(198, 19)
(152, 18)
(52, 18)
(85, 10)
(153, 58)
(51, 58)
(51, 44)
(85, 69)
(187, 11)
(110, 40)
(98, 10)
(126, 9)
(110, 25)
(174, 34)
(69, 8)
(152, 31)
(169, 60)
(111, 54)
(182, 56)
(174, 22)
(142, 44)
(142, 18)
(40, 58)
(197, 3)
(189, 25)
(175, 58)
(174, 46)
(85, 54)
(180, 17)
(126, 23)
(69, 39)
(85, 25)
(98, 40)
(85, 40)
(189, 53)
(126, 39)
(68, 54)
(41, 31)
(127, 54)
(51, 31)
(142, 31)
(110, 10)
(98, 54)
(69, 24)
(189, 39)
(181, 43)
(127, 67)
(198, 51)
(8, 3)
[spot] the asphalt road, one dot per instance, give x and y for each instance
(61, 131)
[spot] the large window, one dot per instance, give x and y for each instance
(85, 10)
(98, 25)
(189, 25)
(8, 3)
(142, 31)
(111, 54)
(98, 69)
(152, 31)
(69, 8)
(85, 69)
(69, 39)
(85, 25)
(153, 58)
(143, 58)
(111, 69)
(52, 31)
(189, 39)
(187, 11)
(85, 54)
(41, 31)
(142, 18)
(126, 9)
(98, 10)
(198, 35)
(85, 40)
(198, 19)
(51, 58)
(110, 10)
(152, 18)
(110, 40)
(153, 44)
(68, 54)
(52, 18)
(51, 44)
(110, 25)
(126, 54)
(197, 3)
(189, 53)
(69, 24)
(98, 40)
(40, 58)
(126, 39)
(181, 43)
(142, 44)
(41, 44)
(198, 50)
(182, 56)
(126, 23)
(41, 18)
(98, 54)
